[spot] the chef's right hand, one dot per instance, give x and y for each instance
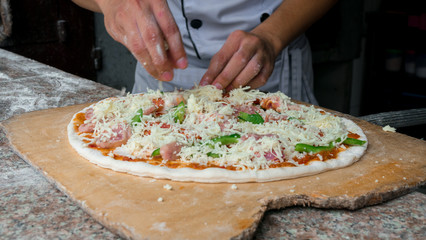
(147, 28)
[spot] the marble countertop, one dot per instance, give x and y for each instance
(33, 208)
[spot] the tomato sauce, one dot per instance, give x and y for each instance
(78, 120)
(325, 155)
(170, 164)
(353, 135)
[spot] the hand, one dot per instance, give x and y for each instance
(246, 59)
(146, 28)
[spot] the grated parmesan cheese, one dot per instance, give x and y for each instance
(388, 128)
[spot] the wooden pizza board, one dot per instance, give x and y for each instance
(393, 165)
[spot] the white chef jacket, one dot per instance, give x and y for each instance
(206, 24)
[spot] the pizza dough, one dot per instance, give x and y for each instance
(247, 136)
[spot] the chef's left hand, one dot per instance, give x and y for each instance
(246, 59)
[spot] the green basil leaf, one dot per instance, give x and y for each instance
(255, 118)
(213, 155)
(179, 114)
(155, 153)
(353, 141)
(228, 139)
(301, 147)
(138, 117)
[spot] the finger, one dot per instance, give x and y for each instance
(143, 56)
(261, 78)
(216, 66)
(154, 41)
(133, 41)
(114, 30)
(117, 22)
(234, 67)
(221, 58)
(125, 29)
(251, 70)
(145, 60)
(171, 34)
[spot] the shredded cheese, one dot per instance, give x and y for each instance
(208, 115)
(388, 128)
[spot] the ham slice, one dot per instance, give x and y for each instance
(170, 151)
(273, 102)
(277, 104)
(88, 126)
(275, 117)
(121, 133)
(271, 156)
(172, 102)
(250, 109)
(150, 110)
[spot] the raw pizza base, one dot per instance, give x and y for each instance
(216, 175)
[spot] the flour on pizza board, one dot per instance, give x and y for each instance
(263, 151)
